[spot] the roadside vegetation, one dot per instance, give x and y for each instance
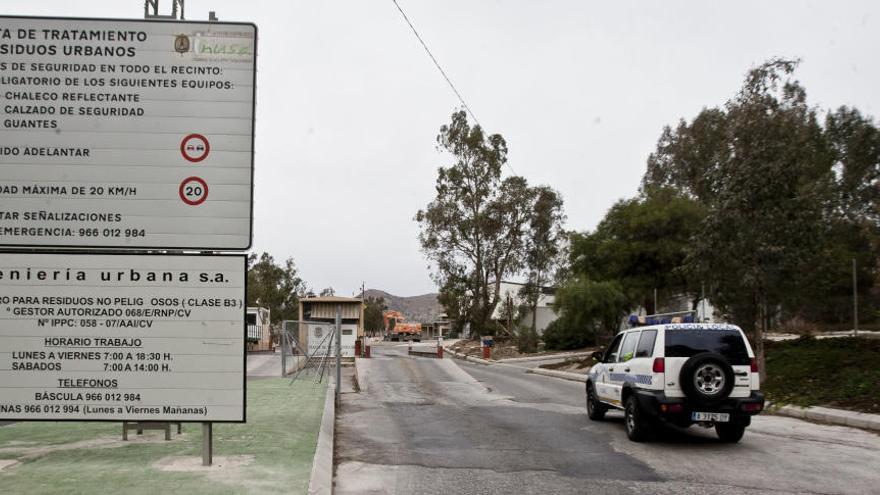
(762, 204)
(838, 372)
(275, 286)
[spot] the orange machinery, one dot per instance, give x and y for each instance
(396, 327)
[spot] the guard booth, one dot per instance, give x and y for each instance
(318, 319)
(259, 335)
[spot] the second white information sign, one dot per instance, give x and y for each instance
(122, 337)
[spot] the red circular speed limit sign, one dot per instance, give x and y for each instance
(193, 191)
(195, 147)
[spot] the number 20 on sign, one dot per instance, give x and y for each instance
(193, 191)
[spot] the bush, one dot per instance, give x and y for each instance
(841, 372)
(589, 310)
(526, 339)
(562, 335)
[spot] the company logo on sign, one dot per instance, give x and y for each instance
(225, 46)
(181, 43)
(208, 48)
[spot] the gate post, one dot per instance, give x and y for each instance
(283, 352)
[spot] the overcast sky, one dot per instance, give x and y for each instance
(348, 103)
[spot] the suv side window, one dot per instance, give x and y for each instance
(628, 347)
(611, 353)
(646, 344)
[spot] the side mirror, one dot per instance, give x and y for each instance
(597, 356)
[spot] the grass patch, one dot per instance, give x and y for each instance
(840, 372)
(281, 435)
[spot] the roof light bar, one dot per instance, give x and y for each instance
(663, 318)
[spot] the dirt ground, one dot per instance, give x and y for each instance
(504, 348)
(572, 365)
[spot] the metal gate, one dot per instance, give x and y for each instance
(309, 348)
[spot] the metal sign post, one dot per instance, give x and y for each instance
(207, 444)
(154, 6)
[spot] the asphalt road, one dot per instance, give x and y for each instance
(423, 425)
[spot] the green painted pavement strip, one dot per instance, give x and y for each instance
(271, 453)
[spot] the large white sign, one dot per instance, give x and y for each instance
(126, 134)
(122, 337)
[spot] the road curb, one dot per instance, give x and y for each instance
(321, 479)
(838, 417)
(546, 357)
(565, 375)
(472, 359)
(360, 372)
(489, 362)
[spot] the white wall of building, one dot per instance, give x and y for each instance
(546, 315)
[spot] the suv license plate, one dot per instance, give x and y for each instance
(708, 416)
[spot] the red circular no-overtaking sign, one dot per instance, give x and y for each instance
(193, 191)
(195, 147)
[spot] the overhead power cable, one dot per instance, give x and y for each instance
(442, 72)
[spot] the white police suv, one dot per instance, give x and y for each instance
(680, 373)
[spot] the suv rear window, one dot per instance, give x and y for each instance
(728, 343)
(646, 344)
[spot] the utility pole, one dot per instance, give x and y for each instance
(702, 311)
(509, 314)
(338, 351)
(855, 300)
(362, 320)
(656, 310)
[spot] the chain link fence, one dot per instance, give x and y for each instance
(308, 348)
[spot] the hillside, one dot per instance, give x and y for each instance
(421, 309)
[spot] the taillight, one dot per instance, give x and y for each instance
(671, 408)
(751, 406)
(659, 365)
(754, 364)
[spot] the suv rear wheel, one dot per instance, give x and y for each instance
(636, 425)
(595, 409)
(730, 432)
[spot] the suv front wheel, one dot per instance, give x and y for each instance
(636, 424)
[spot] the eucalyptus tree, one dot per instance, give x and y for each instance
(475, 229)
